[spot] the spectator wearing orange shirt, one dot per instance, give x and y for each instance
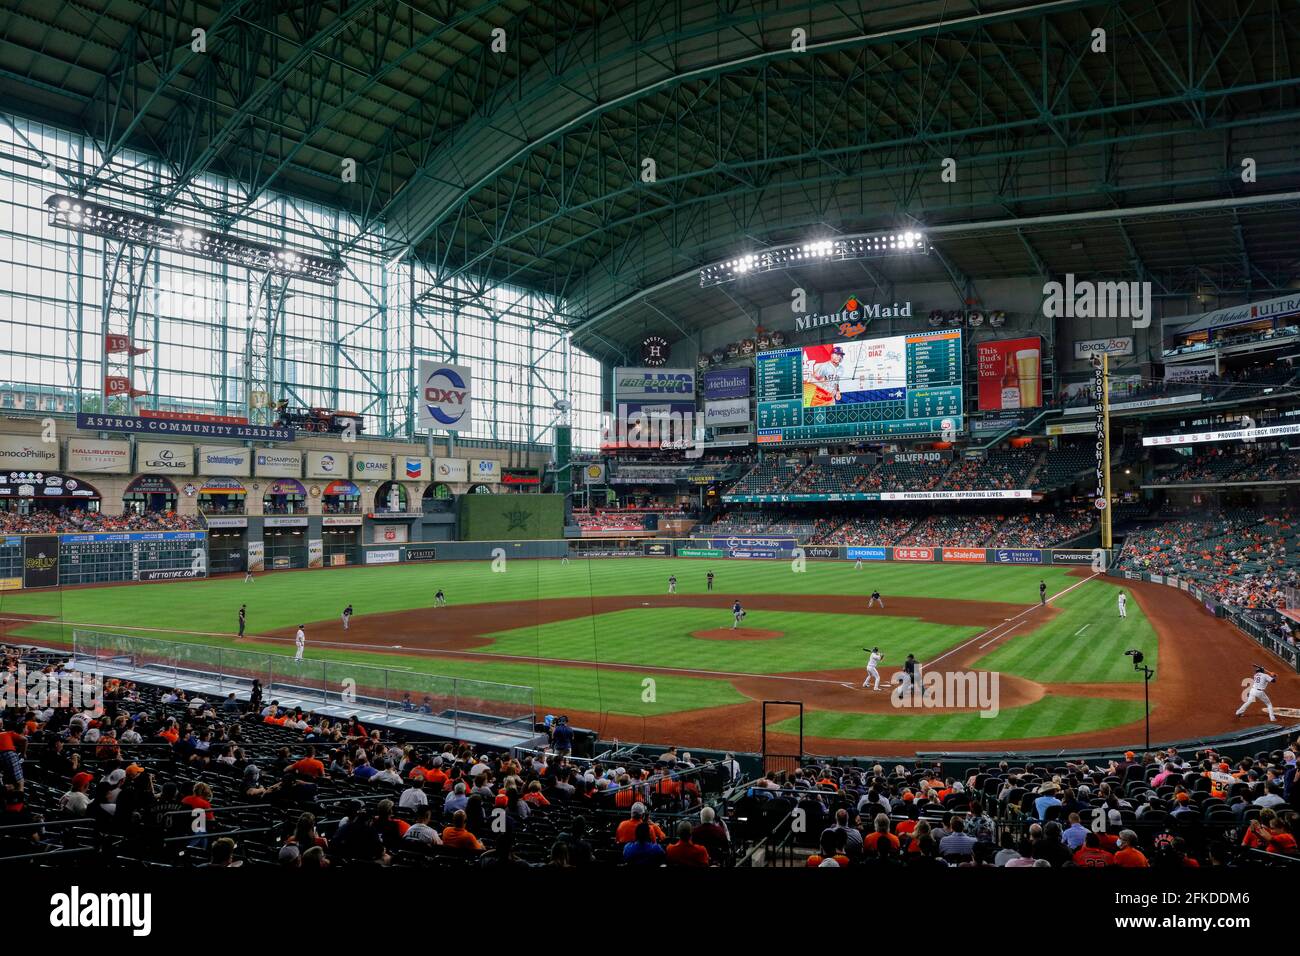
(685, 851)
(309, 766)
(627, 829)
(880, 841)
(1128, 854)
(457, 836)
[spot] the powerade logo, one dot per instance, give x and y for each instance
(446, 396)
(866, 554)
(1017, 556)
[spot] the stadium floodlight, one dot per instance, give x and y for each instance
(875, 246)
(100, 220)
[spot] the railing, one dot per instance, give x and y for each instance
(346, 685)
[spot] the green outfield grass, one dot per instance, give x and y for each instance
(1049, 717)
(1084, 643)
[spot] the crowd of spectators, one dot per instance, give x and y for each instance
(955, 531)
(82, 520)
(1043, 529)
(1245, 462)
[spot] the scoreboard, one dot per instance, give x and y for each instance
(106, 557)
(903, 386)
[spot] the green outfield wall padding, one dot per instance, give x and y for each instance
(511, 517)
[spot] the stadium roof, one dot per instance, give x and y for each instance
(528, 166)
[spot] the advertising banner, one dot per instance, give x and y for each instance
(446, 396)
(315, 553)
(964, 555)
(285, 521)
(373, 467)
(764, 553)
(413, 468)
(18, 452)
(1119, 345)
(1009, 374)
(734, 411)
(340, 521)
(866, 554)
(1189, 373)
(388, 534)
(1075, 556)
(175, 574)
(214, 522)
(819, 551)
(913, 554)
(274, 463)
(383, 555)
(658, 549)
(189, 428)
(225, 460)
(41, 561)
(698, 553)
(484, 470)
(1015, 556)
(164, 458)
(90, 455)
(327, 464)
(451, 469)
(727, 383)
(421, 554)
(654, 384)
(916, 457)
(256, 556)
(732, 543)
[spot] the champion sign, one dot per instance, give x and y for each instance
(446, 396)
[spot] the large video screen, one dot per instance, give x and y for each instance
(900, 386)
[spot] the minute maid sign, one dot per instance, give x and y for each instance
(853, 316)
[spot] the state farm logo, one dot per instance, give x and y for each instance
(914, 554)
(971, 555)
(446, 396)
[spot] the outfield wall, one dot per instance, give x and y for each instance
(510, 517)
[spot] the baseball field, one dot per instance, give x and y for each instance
(602, 640)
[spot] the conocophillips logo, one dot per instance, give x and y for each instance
(446, 397)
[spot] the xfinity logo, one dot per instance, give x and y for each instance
(77, 910)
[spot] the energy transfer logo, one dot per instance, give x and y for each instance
(446, 403)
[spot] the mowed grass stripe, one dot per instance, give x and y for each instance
(1056, 652)
(1049, 717)
(662, 637)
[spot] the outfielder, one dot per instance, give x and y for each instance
(873, 675)
(875, 601)
(439, 599)
(347, 616)
(709, 579)
(1257, 692)
(737, 614)
(672, 584)
(857, 565)
(1123, 604)
(299, 642)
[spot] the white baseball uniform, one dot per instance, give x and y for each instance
(873, 675)
(299, 644)
(737, 612)
(1123, 604)
(1257, 692)
(672, 585)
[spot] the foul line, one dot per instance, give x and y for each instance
(1028, 610)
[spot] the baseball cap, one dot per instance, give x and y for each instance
(82, 778)
(134, 770)
(837, 351)
(116, 777)
(1129, 755)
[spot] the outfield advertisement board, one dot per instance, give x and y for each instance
(913, 554)
(658, 549)
(1015, 556)
(689, 553)
(867, 554)
(994, 494)
(1077, 555)
(964, 555)
(383, 555)
(421, 554)
(820, 551)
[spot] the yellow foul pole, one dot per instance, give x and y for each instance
(1105, 450)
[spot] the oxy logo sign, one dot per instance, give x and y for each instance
(445, 396)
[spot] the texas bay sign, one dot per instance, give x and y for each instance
(853, 317)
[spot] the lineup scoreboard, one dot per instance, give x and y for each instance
(29, 561)
(900, 386)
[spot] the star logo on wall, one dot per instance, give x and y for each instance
(517, 520)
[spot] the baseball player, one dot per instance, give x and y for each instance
(439, 599)
(1122, 600)
(709, 579)
(564, 560)
(876, 601)
(248, 572)
(347, 616)
(1258, 683)
(1042, 592)
(911, 667)
(857, 565)
(672, 584)
(873, 675)
(243, 618)
(299, 642)
(826, 380)
(737, 614)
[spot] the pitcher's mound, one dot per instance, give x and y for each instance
(739, 634)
